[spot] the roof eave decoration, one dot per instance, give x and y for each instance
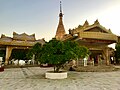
(14, 33)
(23, 36)
(96, 22)
(4, 36)
(86, 24)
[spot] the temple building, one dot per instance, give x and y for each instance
(18, 41)
(95, 37)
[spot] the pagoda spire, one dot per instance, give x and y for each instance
(60, 15)
(60, 7)
(60, 29)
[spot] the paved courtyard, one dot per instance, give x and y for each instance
(32, 78)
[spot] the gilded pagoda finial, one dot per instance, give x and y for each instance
(60, 15)
(60, 7)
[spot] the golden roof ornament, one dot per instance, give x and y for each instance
(3, 36)
(110, 30)
(14, 33)
(96, 22)
(86, 24)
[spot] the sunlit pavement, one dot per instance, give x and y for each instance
(32, 78)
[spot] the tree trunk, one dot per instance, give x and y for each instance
(56, 68)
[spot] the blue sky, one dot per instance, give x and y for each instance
(41, 16)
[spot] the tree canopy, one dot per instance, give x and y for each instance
(57, 52)
(35, 50)
(117, 53)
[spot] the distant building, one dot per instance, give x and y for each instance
(18, 41)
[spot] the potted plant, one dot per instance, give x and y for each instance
(57, 53)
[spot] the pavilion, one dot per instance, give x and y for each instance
(18, 41)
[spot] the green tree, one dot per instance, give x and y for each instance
(57, 53)
(19, 54)
(2, 54)
(35, 50)
(117, 53)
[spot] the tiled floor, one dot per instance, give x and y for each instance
(32, 78)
